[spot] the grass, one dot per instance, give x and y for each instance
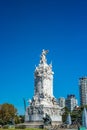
(22, 129)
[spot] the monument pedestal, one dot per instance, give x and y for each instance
(34, 124)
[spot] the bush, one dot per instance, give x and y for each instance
(11, 127)
(5, 127)
(20, 127)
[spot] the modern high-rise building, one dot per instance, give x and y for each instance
(83, 90)
(61, 102)
(71, 102)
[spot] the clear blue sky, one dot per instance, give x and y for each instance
(27, 27)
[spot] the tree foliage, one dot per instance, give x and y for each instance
(76, 114)
(7, 113)
(65, 113)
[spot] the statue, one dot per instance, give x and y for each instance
(44, 52)
(43, 56)
(47, 120)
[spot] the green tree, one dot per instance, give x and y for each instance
(17, 119)
(7, 113)
(21, 117)
(77, 114)
(65, 113)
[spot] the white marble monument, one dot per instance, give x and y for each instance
(43, 101)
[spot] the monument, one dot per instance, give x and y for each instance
(43, 102)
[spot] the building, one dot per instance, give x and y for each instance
(83, 90)
(61, 102)
(71, 102)
(43, 102)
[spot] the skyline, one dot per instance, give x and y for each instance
(27, 27)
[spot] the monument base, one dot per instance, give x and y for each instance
(38, 124)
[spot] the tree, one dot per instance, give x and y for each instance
(7, 113)
(76, 114)
(21, 117)
(65, 113)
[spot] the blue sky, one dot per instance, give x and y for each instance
(27, 27)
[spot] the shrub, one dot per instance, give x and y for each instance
(5, 127)
(20, 127)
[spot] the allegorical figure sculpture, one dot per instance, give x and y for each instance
(43, 56)
(47, 120)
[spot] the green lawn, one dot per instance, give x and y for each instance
(22, 129)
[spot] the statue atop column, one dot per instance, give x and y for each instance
(43, 56)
